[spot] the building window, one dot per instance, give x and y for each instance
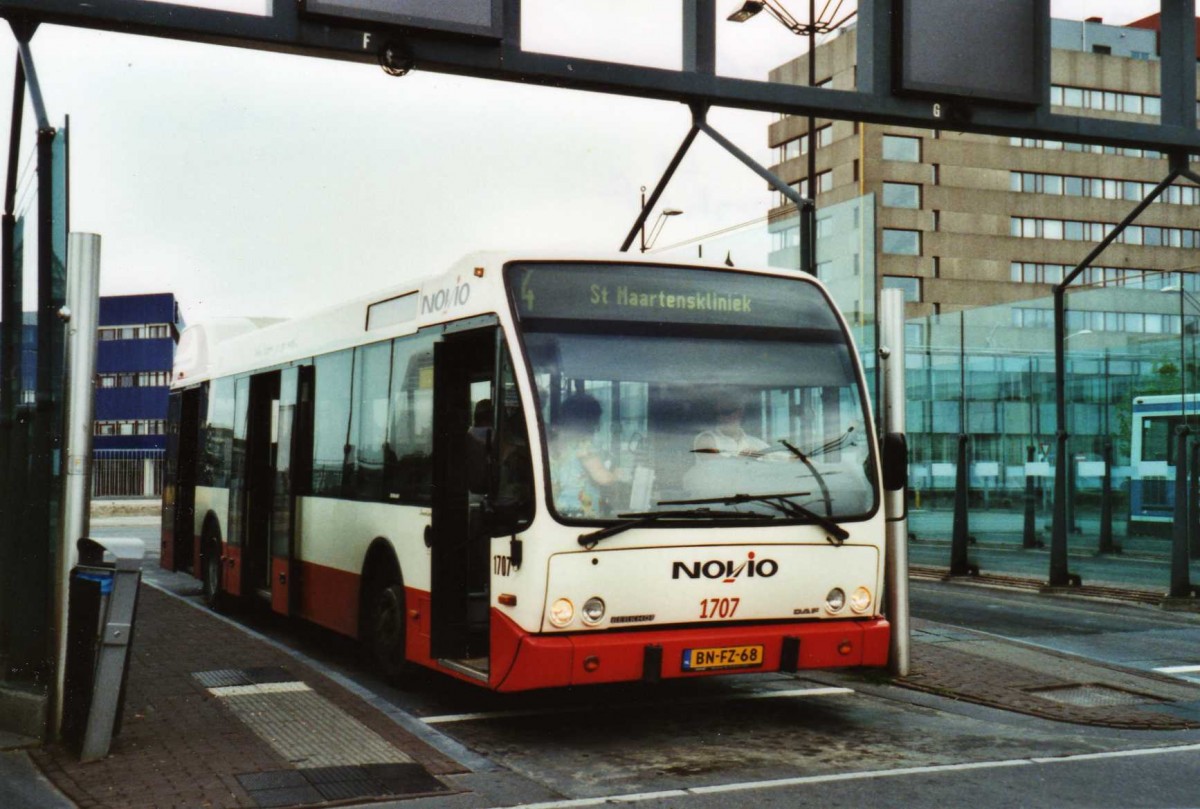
(907, 284)
(907, 150)
(901, 195)
(1088, 98)
(153, 331)
(141, 379)
(130, 427)
(824, 182)
(1071, 230)
(901, 242)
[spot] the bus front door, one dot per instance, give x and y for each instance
(464, 364)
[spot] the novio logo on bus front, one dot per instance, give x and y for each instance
(726, 569)
(445, 298)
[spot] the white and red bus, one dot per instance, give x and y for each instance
(540, 471)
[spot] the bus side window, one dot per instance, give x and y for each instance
(332, 450)
(408, 449)
(217, 436)
(372, 369)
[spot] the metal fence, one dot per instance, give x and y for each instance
(127, 472)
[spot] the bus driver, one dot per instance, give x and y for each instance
(727, 437)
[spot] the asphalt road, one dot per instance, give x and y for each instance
(1128, 634)
(825, 739)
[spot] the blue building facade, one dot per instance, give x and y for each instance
(136, 350)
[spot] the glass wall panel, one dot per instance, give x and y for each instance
(1131, 351)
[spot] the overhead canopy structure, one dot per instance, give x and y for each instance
(918, 46)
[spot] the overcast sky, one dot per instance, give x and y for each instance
(260, 184)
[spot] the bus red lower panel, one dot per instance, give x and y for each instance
(521, 661)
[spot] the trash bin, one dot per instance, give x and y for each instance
(102, 602)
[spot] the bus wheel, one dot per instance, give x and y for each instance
(386, 631)
(213, 596)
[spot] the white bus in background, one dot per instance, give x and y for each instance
(538, 471)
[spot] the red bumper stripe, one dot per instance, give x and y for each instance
(547, 661)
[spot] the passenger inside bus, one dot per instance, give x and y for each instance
(581, 480)
(478, 440)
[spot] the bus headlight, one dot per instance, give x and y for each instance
(562, 612)
(860, 600)
(593, 610)
(835, 600)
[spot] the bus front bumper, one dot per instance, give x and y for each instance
(523, 661)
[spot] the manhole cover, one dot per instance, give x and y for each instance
(1091, 696)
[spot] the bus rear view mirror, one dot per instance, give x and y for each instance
(895, 461)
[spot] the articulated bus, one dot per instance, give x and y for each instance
(1152, 449)
(539, 471)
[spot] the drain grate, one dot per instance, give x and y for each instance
(1092, 696)
(320, 784)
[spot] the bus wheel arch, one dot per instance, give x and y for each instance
(210, 562)
(383, 615)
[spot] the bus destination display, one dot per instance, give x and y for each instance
(654, 294)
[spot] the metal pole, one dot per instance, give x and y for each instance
(805, 207)
(648, 205)
(896, 490)
(11, 286)
(1029, 537)
(82, 313)
(1106, 512)
(808, 263)
(960, 565)
(1194, 504)
(1181, 586)
(1060, 576)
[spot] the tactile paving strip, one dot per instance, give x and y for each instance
(1092, 696)
(304, 727)
(336, 756)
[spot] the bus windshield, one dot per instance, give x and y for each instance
(659, 384)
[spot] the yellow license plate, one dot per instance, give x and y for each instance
(722, 657)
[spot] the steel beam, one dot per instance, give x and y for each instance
(286, 30)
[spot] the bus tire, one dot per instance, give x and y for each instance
(214, 597)
(386, 630)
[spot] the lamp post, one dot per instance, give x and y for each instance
(648, 241)
(825, 23)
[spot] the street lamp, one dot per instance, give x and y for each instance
(648, 241)
(825, 22)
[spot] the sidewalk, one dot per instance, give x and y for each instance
(217, 717)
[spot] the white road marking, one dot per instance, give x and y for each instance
(481, 715)
(639, 797)
(1178, 669)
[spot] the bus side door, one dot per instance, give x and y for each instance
(292, 473)
(179, 483)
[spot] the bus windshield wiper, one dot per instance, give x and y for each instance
(640, 518)
(780, 502)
